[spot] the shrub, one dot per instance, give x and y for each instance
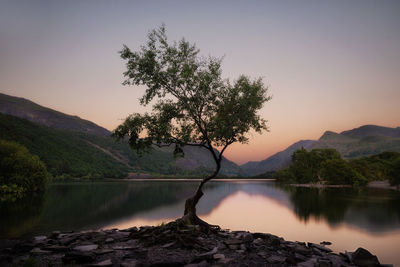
(20, 171)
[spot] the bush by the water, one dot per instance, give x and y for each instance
(20, 171)
(327, 166)
(384, 166)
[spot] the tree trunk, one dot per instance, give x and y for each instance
(189, 215)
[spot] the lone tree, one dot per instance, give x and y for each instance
(195, 106)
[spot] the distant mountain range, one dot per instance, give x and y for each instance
(363, 141)
(79, 147)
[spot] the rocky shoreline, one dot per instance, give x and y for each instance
(173, 244)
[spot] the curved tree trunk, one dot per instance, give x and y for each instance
(190, 215)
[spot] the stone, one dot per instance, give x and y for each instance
(132, 229)
(203, 263)
(169, 244)
(38, 251)
(276, 259)
(78, 257)
(244, 236)
(324, 263)
(233, 241)
(309, 263)
(55, 234)
(274, 241)
(233, 247)
(363, 257)
(129, 263)
(208, 254)
(103, 251)
(39, 239)
(258, 241)
(263, 254)
(109, 240)
(67, 240)
(85, 248)
(317, 252)
(300, 257)
(302, 250)
(57, 248)
(107, 262)
(219, 256)
(325, 243)
(336, 260)
(124, 247)
(322, 248)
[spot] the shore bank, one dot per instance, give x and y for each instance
(173, 244)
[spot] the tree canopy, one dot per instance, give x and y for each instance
(194, 106)
(20, 171)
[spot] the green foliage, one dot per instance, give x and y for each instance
(65, 153)
(306, 166)
(69, 154)
(384, 166)
(195, 106)
(339, 171)
(20, 171)
(326, 165)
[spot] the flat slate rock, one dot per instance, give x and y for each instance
(175, 244)
(86, 247)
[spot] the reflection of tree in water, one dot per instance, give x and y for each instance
(20, 216)
(327, 203)
(367, 208)
(94, 205)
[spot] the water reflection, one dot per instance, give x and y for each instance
(20, 216)
(347, 217)
(371, 209)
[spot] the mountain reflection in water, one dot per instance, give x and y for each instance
(347, 217)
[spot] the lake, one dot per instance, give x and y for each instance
(347, 217)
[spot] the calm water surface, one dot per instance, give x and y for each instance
(347, 217)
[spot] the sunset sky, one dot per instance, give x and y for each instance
(330, 65)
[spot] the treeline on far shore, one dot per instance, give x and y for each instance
(326, 166)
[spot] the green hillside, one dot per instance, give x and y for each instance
(63, 152)
(77, 154)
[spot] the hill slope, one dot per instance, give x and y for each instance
(362, 141)
(81, 133)
(29, 110)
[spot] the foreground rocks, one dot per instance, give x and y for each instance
(173, 244)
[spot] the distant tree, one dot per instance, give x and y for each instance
(339, 171)
(195, 106)
(20, 171)
(306, 165)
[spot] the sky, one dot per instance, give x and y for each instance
(329, 65)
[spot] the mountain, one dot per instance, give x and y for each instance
(200, 158)
(29, 110)
(366, 140)
(77, 147)
(372, 130)
(276, 161)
